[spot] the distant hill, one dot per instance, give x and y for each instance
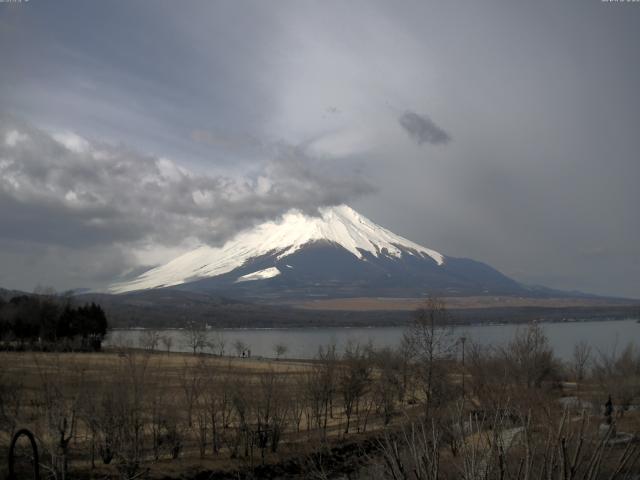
(172, 307)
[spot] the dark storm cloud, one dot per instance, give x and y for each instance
(64, 190)
(26, 265)
(422, 129)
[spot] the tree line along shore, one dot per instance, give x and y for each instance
(51, 322)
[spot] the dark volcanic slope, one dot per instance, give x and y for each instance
(327, 270)
(335, 254)
(338, 253)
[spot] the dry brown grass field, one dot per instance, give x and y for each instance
(181, 393)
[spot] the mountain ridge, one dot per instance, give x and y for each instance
(281, 238)
(337, 254)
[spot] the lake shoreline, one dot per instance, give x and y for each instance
(460, 317)
(347, 327)
(303, 343)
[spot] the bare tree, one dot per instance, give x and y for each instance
(61, 410)
(202, 423)
(158, 406)
(353, 378)
(430, 340)
(90, 415)
(271, 409)
(126, 413)
(191, 383)
(320, 387)
(405, 354)
(298, 396)
(619, 376)
(164, 422)
(194, 337)
(11, 402)
(243, 402)
(494, 448)
(106, 421)
(217, 343)
(217, 395)
(149, 340)
(387, 384)
(280, 349)
(167, 342)
(530, 357)
(240, 347)
(580, 360)
(489, 378)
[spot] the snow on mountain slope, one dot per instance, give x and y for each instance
(259, 275)
(340, 225)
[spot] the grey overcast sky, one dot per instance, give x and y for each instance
(507, 132)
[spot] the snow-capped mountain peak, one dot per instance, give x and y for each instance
(339, 225)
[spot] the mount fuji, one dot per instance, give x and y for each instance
(338, 253)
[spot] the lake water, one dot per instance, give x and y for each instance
(605, 336)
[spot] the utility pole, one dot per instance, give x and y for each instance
(462, 341)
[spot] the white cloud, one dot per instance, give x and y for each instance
(89, 193)
(71, 141)
(14, 137)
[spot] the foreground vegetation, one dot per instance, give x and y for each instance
(437, 407)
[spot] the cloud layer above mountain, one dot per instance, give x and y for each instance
(92, 203)
(500, 131)
(65, 190)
